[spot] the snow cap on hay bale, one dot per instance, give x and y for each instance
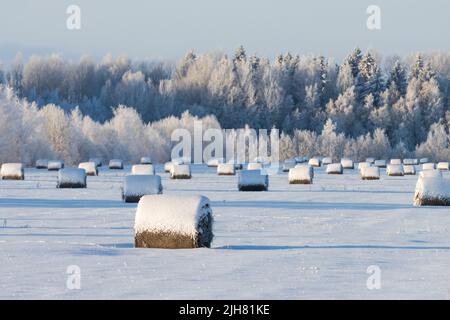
(143, 169)
(289, 164)
(55, 165)
(363, 165)
(146, 160)
(395, 170)
(214, 162)
(428, 166)
(255, 166)
(432, 191)
(180, 171)
(253, 180)
(424, 160)
(380, 163)
(347, 164)
(115, 164)
(335, 168)
(370, 160)
(395, 161)
(137, 186)
(71, 178)
(301, 175)
(370, 173)
(174, 222)
(327, 161)
(12, 171)
(98, 162)
(409, 170)
(41, 164)
(90, 168)
(443, 166)
(314, 162)
(168, 166)
(226, 169)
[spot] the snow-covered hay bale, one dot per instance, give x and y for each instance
(90, 168)
(98, 162)
(347, 164)
(370, 160)
(327, 160)
(396, 161)
(428, 166)
(370, 173)
(432, 191)
(146, 160)
(115, 164)
(214, 162)
(255, 166)
(380, 163)
(443, 166)
(301, 159)
(409, 162)
(253, 180)
(431, 174)
(395, 170)
(363, 165)
(137, 186)
(314, 162)
(226, 169)
(409, 170)
(424, 160)
(12, 171)
(288, 165)
(55, 165)
(143, 169)
(41, 164)
(180, 171)
(174, 222)
(335, 168)
(71, 178)
(168, 166)
(301, 175)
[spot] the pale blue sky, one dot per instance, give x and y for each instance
(166, 29)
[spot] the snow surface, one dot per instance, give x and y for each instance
(292, 242)
(143, 169)
(11, 170)
(172, 213)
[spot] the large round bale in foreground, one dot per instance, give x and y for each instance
(443, 166)
(335, 168)
(226, 169)
(146, 160)
(90, 168)
(137, 186)
(301, 175)
(314, 162)
(116, 164)
(428, 166)
(181, 171)
(55, 165)
(432, 190)
(12, 171)
(370, 173)
(173, 222)
(143, 169)
(347, 164)
(409, 170)
(71, 178)
(41, 164)
(253, 180)
(395, 170)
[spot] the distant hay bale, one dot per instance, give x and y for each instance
(90, 168)
(146, 160)
(71, 178)
(301, 159)
(314, 162)
(255, 166)
(428, 166)
(370, 173)
(55, 165)
(443, 166)
(168, 166)
(409, 170)
(12, 171)
(115, 164)
(143, 169)
(395, 170)
(335, 168)
(327, 160)
(137, 186)
(41, 164)
(380, 163)
(98, 162)
(174, 222)
(432, 190)
(288, 165)
(363, 165)
(301, 175)
(396, 161)
(214, 162)
(347, 164)
(424, 160)
(181, 171)
(253, 180)
(410, 162)
(226, 169)
(370, 160)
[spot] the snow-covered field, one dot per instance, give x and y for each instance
(293, 242)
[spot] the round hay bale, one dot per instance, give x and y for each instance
(363, 165)
(90, 168)
(226, 169)
(181, 171)
(12, 171)
(146, 160)
(41, 164)
(445, 166)
(301, 174)
(174, 222)
(347, 164)
(314, 162)
(428, 166)
(409, 162)
(432, 191)
(137, 186)
(55, 165)
(168, 166)
(334, 168)
(71, 178)
(409, 170)
(395, 170)
(380, 163)
(116, 164)
(395, 162)
(253, 180)
(327, 160)
(98, 162)
(255, 166)
(143, 169)
(370, 173)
